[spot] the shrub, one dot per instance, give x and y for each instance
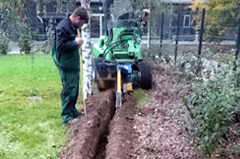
(211, 108)
(25, 38)
(4, 43)
(236, 78)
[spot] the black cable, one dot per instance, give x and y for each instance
(116, 44)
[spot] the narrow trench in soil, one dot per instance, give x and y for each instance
(101, 150)
(117, 140)
(104, 132)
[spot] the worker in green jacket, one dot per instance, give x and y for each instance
(66, 57)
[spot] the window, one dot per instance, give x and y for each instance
(97, 25)
(186, 21)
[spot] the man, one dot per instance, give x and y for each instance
(66, 57)
(145, 15)
(141, 18)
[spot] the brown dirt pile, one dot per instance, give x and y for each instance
(152, 132)
(84, 138)
(121, 140)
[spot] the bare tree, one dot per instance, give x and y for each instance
(87, 70)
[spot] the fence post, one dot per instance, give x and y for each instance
(176, 48)
(149, 27)
(237, 45)
(201, 33)
(162, 22)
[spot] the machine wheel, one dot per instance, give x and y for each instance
(146, 75)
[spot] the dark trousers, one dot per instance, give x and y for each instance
(69, 94)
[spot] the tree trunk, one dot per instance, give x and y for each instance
(86, 55)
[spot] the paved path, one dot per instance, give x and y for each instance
(37, 45)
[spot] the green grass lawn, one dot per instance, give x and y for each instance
(30, 128)
(142, 98)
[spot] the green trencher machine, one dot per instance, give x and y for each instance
(117, 56)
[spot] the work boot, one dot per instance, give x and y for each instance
(72, 121)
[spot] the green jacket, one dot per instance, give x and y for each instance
(65, 49)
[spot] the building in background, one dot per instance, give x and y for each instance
(47, 14)
(186, 24)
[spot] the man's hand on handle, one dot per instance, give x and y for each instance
(79, 40)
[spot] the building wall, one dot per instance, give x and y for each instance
(170, 22)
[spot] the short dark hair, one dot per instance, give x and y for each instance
(78, 4)
(82, 12)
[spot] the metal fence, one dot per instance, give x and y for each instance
(180, 37)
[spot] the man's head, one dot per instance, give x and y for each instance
(79, 17)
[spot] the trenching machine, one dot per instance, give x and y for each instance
(117, 57)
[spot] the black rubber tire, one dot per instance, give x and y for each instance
(146, 75)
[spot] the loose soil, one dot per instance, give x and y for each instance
(158, 123)
(151, 132)
(84, 138)
(130, 132)
(122, 137)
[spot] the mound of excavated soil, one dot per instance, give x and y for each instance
(84, 139)
(88, 138)
(122, 138)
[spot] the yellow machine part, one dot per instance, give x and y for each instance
(127, 87)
